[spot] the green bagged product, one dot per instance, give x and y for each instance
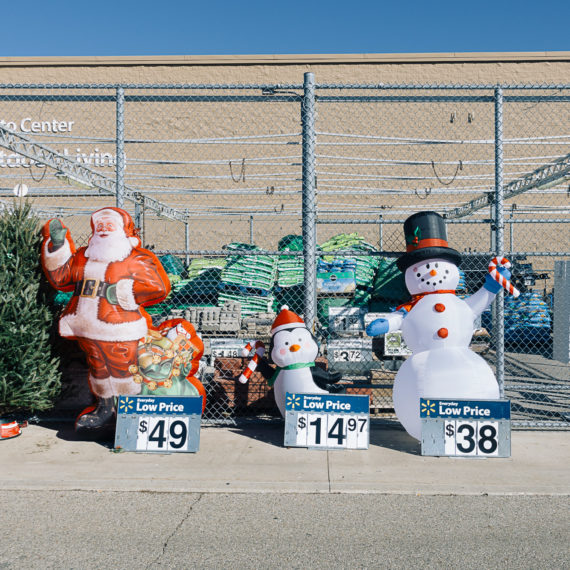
(172, 265)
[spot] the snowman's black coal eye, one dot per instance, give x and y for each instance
(427, 266)
(436, 265)
(286, 344)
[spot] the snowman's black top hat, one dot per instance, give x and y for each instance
(426, 237)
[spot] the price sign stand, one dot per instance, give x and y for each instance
(327, 421)
(158, 424)
(466, 428)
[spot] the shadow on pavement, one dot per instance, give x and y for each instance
(394, 438)
(65, 430)
(380, 436)
(268, 432)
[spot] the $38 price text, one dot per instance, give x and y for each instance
(464, 437)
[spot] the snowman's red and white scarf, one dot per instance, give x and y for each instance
(415, 298)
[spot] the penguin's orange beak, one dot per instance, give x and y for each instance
(294, 348)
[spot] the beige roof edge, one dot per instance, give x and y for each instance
(282, 59)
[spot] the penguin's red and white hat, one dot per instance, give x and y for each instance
(286, 319)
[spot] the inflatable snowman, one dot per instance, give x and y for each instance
(436, 325)
(293, 350)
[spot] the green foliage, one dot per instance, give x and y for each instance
(30, 379)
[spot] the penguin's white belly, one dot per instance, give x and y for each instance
(299, 381)
(450, 373)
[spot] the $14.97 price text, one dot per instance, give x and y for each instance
(332, 431)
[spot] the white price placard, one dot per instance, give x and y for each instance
(466, 428)
(226, 352)
(347, 355)
(332, 431)
(327, 422)
(159, 424)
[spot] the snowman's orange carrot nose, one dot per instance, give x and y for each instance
(294, 348)
(433, 272)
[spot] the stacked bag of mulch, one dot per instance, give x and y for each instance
(389, 287)
(290, 275)
(201, 284)
(364, 267)
(248, 279)
(527, 319)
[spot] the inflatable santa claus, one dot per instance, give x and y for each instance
(112, 279)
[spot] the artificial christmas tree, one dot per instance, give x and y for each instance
(30, 379)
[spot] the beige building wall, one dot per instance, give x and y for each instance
(445, 68)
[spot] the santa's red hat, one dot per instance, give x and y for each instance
(123, 218)
(286, 319)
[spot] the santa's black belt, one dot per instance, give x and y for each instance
(91, 288)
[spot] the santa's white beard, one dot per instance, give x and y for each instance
(114, 247)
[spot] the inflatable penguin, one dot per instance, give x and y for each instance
(437, 325)
(293, 350)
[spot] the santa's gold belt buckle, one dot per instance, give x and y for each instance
(90, 288)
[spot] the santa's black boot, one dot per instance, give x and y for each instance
(103, 415)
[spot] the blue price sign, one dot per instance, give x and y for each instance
(466, 428)
(158, 423)
(327, 421)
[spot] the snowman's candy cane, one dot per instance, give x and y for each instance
(500, 279)
(252, 364)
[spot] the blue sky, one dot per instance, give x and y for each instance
(216, 27)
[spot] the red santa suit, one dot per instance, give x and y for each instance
(107, 332)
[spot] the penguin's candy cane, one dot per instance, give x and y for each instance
(252, 364)
(500, 279)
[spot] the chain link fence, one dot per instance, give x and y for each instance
(259, 196)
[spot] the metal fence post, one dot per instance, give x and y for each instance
(187, 240)
(309, 205)
(499, 325)
(120, 147)
(138, 218)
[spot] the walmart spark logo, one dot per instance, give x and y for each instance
(427, 408)
(126, 405)
(293, 402)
